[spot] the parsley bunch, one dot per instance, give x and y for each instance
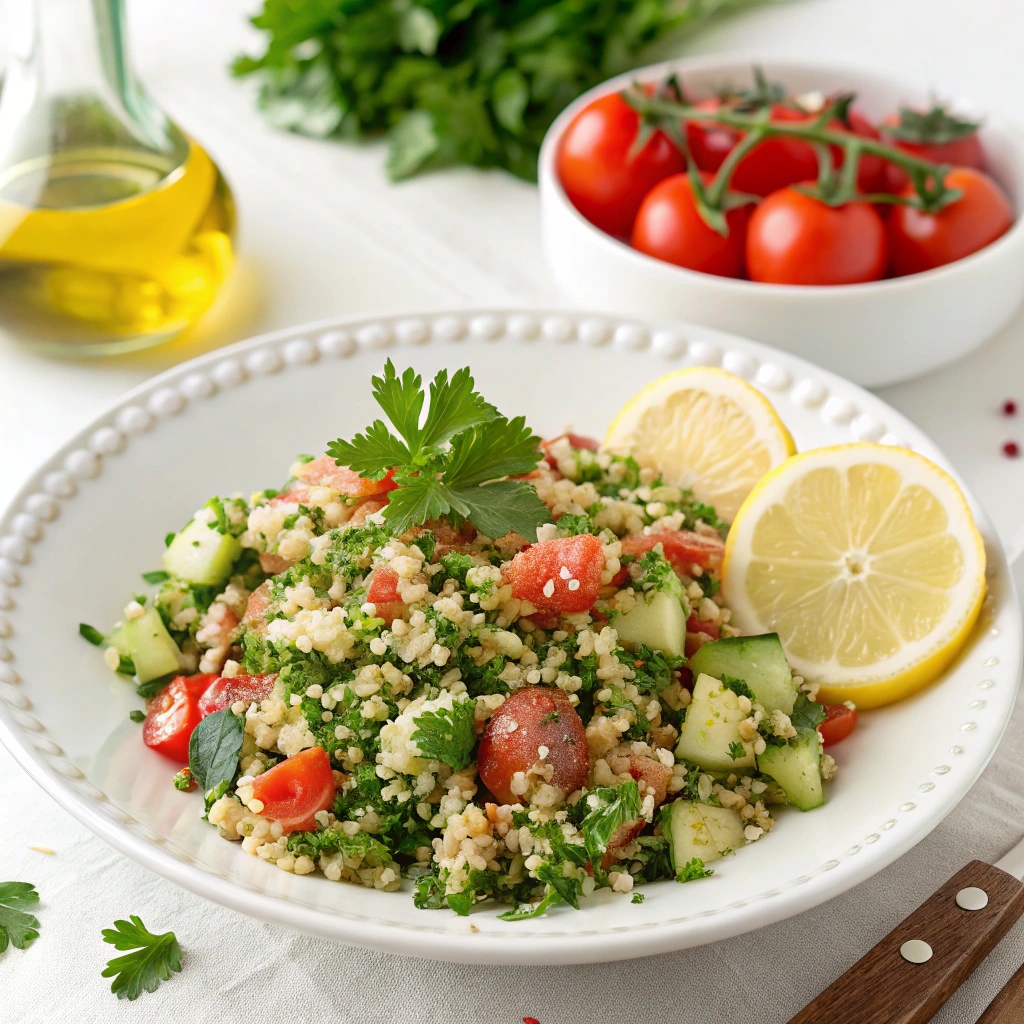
(451, 81)
(453, 462)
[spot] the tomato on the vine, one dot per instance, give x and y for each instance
(602, 176)
(669, 227)
(794, 238)
(932, 135)
(921, 241)
(769, 166)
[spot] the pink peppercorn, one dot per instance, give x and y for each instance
(1009, 407)
(1011, 449)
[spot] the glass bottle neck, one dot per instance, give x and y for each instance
(68, 87)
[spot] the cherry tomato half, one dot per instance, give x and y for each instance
(294, 790)
(794, 238)
(562, 575)
(173, 714)
(669, 227)
(223, 692)
(683, 548)
(839, 723)
(922, 241)
(531, 718)
(601, 175)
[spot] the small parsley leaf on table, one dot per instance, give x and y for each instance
(154, 958)
(17, 927)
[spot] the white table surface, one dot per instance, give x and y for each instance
(323, 234)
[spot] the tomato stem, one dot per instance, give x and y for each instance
(926, 177)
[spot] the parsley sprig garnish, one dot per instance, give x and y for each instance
(154, 958)
(17, 927)
(454, 462)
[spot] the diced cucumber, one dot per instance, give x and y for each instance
(118, 639)
(759, 661)
(711, 728)
(659, 622)
(199, 554)
(796, 767)
(150, 646)
(700, 830)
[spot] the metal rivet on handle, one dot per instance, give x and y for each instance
(916, 951)
(972, 898)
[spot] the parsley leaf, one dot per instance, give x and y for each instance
(692, 870)
(153, 960)
(157, 576)
(807, 715)
(638, 897)
(92, 634)
(736, 750)
(17, 927)
(454, 464)
(447, 734)
(214, 748)
(738, 686)
(609, 807)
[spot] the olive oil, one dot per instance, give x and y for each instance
(111, 248)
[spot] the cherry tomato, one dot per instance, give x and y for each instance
(383, 593)
(710, 143)
(223, 692)
(839, 723)
(562, 575)
(669, 227)
(325, 472)
(173, 714)
(921, 241)
(683, 548)
(294, 790)
(576, 440)
(531, 718)
(796, 239)
(964, 150)
(601, 175)
(257, 605)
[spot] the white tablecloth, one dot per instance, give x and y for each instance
(322, 234)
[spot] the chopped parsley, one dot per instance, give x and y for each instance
(738, 686)
(92, 634)
(736, 750)
(455, 463)
(157, 576)
(606, 809)
(152, 960)
(807, 715)
(551, 716)
(638, 897)
(692, 870)
(447, 734)
(137, 715)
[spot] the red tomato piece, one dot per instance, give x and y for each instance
(257, 605)
(839, 723)
(325, 472)
(294, 790)
(920, 241)
(576, 440)
(173, 714)
(562, 575)
(601, 175)
(794, 238)
(683, 548)
(669, 227)
(383, 593)
(695, 625)
(965, 150)
(297, 495)
(224, 691)
(531, 718)
(654, 775)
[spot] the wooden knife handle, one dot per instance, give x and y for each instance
(884, 987)
(1008, 1006)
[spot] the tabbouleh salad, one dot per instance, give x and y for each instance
(449, 652)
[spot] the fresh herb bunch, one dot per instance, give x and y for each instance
(454, 464)
(452, 81)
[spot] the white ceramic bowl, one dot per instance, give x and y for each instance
(79, 532)
(873, 334)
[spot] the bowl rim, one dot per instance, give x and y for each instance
(552, 190)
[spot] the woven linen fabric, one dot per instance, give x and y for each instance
(238, 968)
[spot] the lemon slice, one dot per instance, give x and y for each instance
(706, 430)
(866, 560)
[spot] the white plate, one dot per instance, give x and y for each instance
(77, 536)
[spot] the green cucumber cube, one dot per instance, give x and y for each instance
(199, 554)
